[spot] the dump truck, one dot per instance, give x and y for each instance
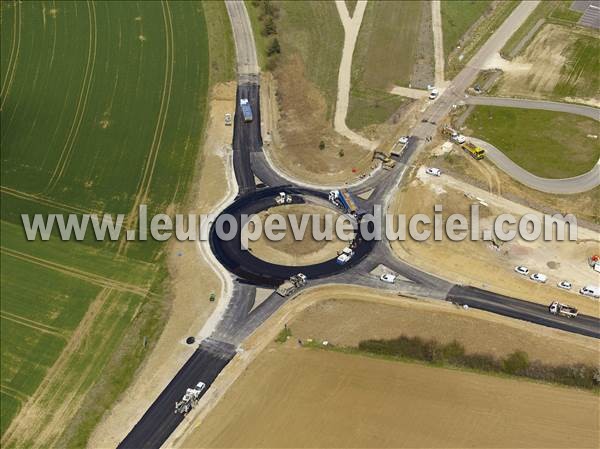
(344, 256)
(246, 109)
(343, 199)
(190, 398)
(291, 285)
(473, 150)
(556, 308)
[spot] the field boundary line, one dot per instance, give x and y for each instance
(146, 179)
(74, 272)
(12, 63)
(61, 333)
(65, 155)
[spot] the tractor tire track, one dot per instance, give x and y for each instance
(146, 179)
(14, 55)
(66, 153)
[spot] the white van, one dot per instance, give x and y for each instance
(590, 290)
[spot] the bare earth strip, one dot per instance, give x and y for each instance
(351, 28)
(46, 201)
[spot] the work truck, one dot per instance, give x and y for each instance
(291, 285)
(246, 109)
(473, 150)
(344, 200)
(556, 308)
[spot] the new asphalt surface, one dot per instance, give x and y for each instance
(241, 317)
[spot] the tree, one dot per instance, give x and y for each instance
(274, 47)
(321, 145)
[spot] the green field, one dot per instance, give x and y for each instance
(103, 109)
(545, 143)
(458, 17)
(384, 57)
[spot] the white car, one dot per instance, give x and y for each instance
(538, 277)
(522, 270)
(403, 140)
(228, 119)
(433, 171)
(590, 290)
(433, 94)
(388, 277)
(565, 285)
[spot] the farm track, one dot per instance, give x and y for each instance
(14, 54)
(76, 273)
(29, 427)
(146, 179)
(34, 325)
(65, 155)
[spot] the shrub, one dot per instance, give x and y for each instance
(516, 363)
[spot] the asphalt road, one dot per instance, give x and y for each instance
(577, 184)
(160, 420)
(242, 317)
(577, 109)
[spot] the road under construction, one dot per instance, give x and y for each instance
(259, 184)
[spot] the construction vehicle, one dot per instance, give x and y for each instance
(343, 199)
(556, 308)
(399, 146)
(454, 135)
(190, 398)
(344, 256)
(473, 150)
(283, 198)
(246, 109)
(386, 162)
(291, 285)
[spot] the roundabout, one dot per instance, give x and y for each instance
(249, 268)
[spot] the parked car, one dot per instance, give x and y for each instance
(228, 119)
(388, 277)
(433, 171)
(522, 270)
(402, 140)
(590, 290)
(539, 277)
(565, 284)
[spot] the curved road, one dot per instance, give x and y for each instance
(243, 316)
(577, 184)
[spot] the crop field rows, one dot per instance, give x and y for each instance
(103, 107)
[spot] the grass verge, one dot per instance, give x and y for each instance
(545, 143)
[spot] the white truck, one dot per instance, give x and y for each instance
(190, 398)
(344, 256)
(283, 198)
(291, 285)
(556, 308)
